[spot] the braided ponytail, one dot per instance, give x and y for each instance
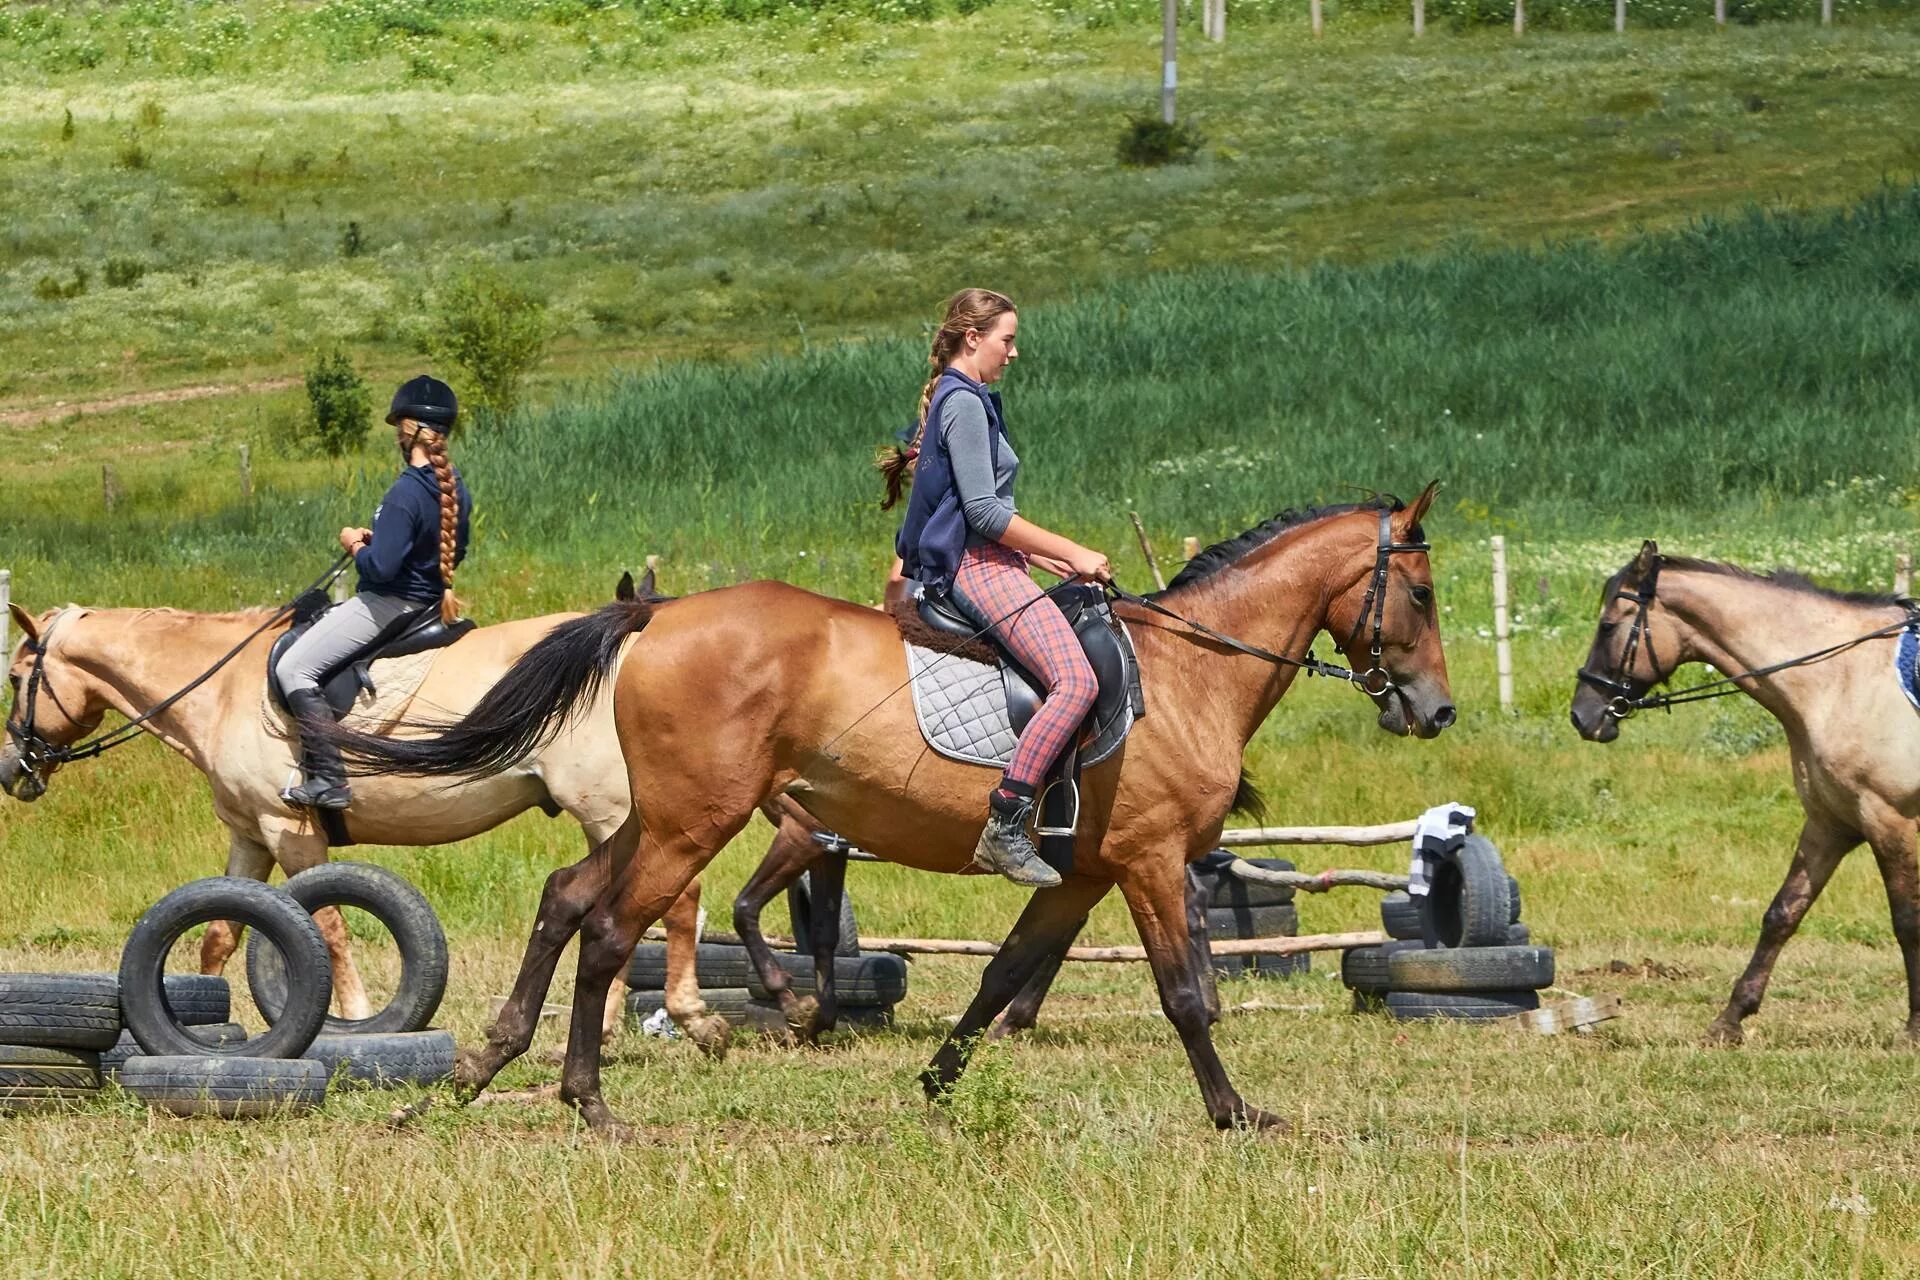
(970, 309)
(413, 433)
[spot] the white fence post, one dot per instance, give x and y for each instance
(246, 474)
(1319, 22)
(1620, 17)
(1502, 647)
(1719, 13)
(1419, 17)
(1519, 17)
(1902, 576)
(1826, 13)
(6, 615)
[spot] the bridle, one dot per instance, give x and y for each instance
(38, 755)
(1623, 700)
(1376, 682)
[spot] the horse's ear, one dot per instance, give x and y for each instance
(624, 591)
(1417, 512)
(1649, 553)
(648, 587)
(24, 621)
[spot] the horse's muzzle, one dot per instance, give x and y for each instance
(17, 780)
(1590, 717)
(1418, 709)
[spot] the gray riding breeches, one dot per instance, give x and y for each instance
(341, 632)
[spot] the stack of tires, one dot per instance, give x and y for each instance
(1459, 952)
(867, 984)
(1239, 908)
(168, 1039)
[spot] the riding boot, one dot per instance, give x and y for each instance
(1006, 847)
(326, 778)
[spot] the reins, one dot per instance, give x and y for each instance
(36, 752)
(1622, 702)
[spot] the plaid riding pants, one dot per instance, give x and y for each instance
(992, 583)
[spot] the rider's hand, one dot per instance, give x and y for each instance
(352, 539)
(1088, 563)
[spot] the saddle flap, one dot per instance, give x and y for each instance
(410, 633)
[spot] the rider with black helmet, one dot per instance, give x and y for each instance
(405, 562)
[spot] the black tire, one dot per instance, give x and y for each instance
(31, 1075)
(1365, 968)
(716, 964)
(60, 1010)
(1476, 1006)
(800, 916)
(1469, 903)
(408, 916)
(765, 1016)
(1279, 921)
(1513, 894)
(1400, 917)
(1447, 969)
(728, 1002)
(389, 1058)
(874, 977)
(222, 1033)
(198, 999)
(232, 1087)
(1518, 935)
(1230, 891)
(1291, 966)
(275, 918)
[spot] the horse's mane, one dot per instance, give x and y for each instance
(1791, 579)
(1221, 554)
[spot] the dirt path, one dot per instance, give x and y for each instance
(133, 400)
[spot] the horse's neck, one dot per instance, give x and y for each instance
(1276, 598)
(1740, 624)
(137, 658)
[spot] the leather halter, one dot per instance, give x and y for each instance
(1373, 607)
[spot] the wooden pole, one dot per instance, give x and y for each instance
(1903, 573)
(1169, 72)
(1146, 549)
(1189, 547)
(1719, 13)
(1319, 25)
(6, 614)
(109, 487)
(1386, 833)
(246, 474)
(1620, 17)
(1419, 17)
(1519, 17)
(1220, 21)
(1826, 13)
(1502, 647)
(1094, 955)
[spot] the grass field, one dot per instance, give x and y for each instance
(1473, 299)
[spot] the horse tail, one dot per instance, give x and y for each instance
(524, 710)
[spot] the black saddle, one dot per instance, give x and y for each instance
(1111, 656)
(414, 632)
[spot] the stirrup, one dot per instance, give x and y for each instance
(319, 793)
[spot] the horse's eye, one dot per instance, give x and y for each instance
(1422, 597)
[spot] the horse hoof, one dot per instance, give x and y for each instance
(470, 1074)
(401, 1117)
(803, 1019)
(712, 1033)
(1722, 1034)
(1006, 1027)
(1253, 1118)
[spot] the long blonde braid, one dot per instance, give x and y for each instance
(970, 309)
(435, 443)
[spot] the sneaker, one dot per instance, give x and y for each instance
(319, 793)
(1007, 849)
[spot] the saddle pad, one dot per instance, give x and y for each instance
(1904, 662)
(962, 709)
(396, 681)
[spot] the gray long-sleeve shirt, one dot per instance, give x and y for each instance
(986, 491)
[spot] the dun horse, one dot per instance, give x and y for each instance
(733, 696)
(1822, 663)
(78, 664)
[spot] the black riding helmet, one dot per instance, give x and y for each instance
(428, 401)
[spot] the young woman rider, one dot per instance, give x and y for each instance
(962, 536)
(405, 562)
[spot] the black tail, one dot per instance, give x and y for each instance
(1247, 800)
(523, 711)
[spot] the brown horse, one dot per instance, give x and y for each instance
(732, 696)
(1821, 662)
(76, 664)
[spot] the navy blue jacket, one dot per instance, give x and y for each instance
(934, 534)
(404, 557)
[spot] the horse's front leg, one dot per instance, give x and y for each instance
(792, 852)
(296, 849)
(1892, 839)
(1157, 896)
(828, 886)
(1045, 929)
(1822, 844)
(247, 858)
(1024, 1012)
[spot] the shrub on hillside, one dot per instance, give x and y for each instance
(341, 404)
(494, 332)
(1148, 141)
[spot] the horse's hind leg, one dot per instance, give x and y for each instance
(1024, 1012)
(793, 851)
(828, 883)
(252, 860)
(569, 893)
(689, 1012)
(1198, 895)
(1892, 839)
(1822, 845)
(1045, 929)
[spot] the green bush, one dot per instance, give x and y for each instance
(492, 331)
(124, 273)
(1148, 141)
(341, 404)
(54, 289)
